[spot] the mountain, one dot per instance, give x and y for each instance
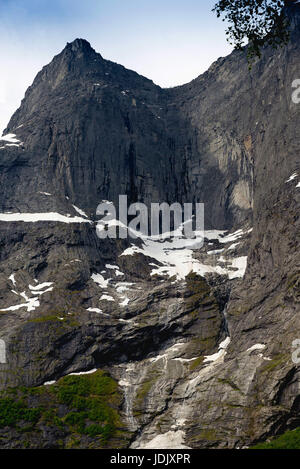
(186, 347)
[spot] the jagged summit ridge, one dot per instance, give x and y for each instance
(80, 48)
(79, 44)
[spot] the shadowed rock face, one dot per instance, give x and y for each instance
(89, 130)
(93, 130)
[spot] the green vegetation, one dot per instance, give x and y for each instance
(144, 390)
(200, 293)
(196, 363)
(289, 440)
(293, 282)
(80, 406)
(230, 383)
(208, 435)
(90, 398)
(54, 318)
(276, 361)
(260, 22)
(44, 319)
(12, 412)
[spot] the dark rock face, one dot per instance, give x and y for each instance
(89, 130)
(93, 130)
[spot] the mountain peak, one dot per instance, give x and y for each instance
(80, 45)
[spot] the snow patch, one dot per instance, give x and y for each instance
(123, 286)
(81, 212)
(239, 263)
(35, 217)
(41, 286)
(233, 246)
(100, 280)
(107, 298)
(97, 310)
(179, 261)
(31, 302)
(220, 354)
(125, 301)
(168, 352)
(12, 279)
(256, 347)
(11, 139)
(292, 177)
(217, 251)
(169, 440)
(116, 269)
(80, 373)
(49, 383)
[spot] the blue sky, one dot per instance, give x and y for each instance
(169, 41)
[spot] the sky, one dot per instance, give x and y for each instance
(169, 41)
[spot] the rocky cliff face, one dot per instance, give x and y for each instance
(197, 342)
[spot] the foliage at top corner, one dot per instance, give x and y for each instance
(260, 22)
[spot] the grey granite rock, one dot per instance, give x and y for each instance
(89, 130)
